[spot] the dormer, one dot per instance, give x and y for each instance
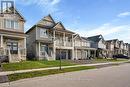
(59, 26)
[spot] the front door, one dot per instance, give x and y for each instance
(63, 53)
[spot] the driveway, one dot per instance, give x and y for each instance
(115, 76)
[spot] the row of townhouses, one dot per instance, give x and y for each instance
(50, 40)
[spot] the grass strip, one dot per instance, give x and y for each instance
(18, 76)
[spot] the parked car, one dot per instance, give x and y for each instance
(120, 56)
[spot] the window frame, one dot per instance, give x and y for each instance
(43, 33)
(11, 24)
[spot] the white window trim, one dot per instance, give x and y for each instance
(43, 33)
(8, 24)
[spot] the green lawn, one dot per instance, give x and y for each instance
(14, 77)
(44, 64)
(34, 65)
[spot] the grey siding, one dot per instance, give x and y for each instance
(31, 43)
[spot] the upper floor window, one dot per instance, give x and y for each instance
(11, 24)
(16, 25)
(43, 33)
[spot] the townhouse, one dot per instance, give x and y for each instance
(126, 49)
(48, 40)
(82, 48)
(110, 48)
(116, 47)
(98, 43)
(12, 37)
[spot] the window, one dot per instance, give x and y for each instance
(13, 46)
(43, 33)
(7, 23)
(11, 24)
(16, 25)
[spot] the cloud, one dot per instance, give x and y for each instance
(55, 2)
(108, 30)
(124, 14)
(49, 6)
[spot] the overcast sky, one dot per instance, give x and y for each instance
(111, 18)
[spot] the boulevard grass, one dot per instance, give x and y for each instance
(18, 76)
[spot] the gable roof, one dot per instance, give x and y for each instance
(13, 10)
(109, 40)
(77, 36)
(59, 26)
(126, 43)
(121, 41)
(85, 38)
(96, 38)
(115, 40)
(55, 26)
(47, 19)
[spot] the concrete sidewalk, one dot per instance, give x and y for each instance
(39, 69)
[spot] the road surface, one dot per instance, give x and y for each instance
(115, 76)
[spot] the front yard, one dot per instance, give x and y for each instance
(34, 65)
(44, 64)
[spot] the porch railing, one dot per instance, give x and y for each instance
(22, 52)
(1, 51)
(6, 52)
(45, 55)
(63, 43)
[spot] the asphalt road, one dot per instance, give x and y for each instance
(115, 76)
